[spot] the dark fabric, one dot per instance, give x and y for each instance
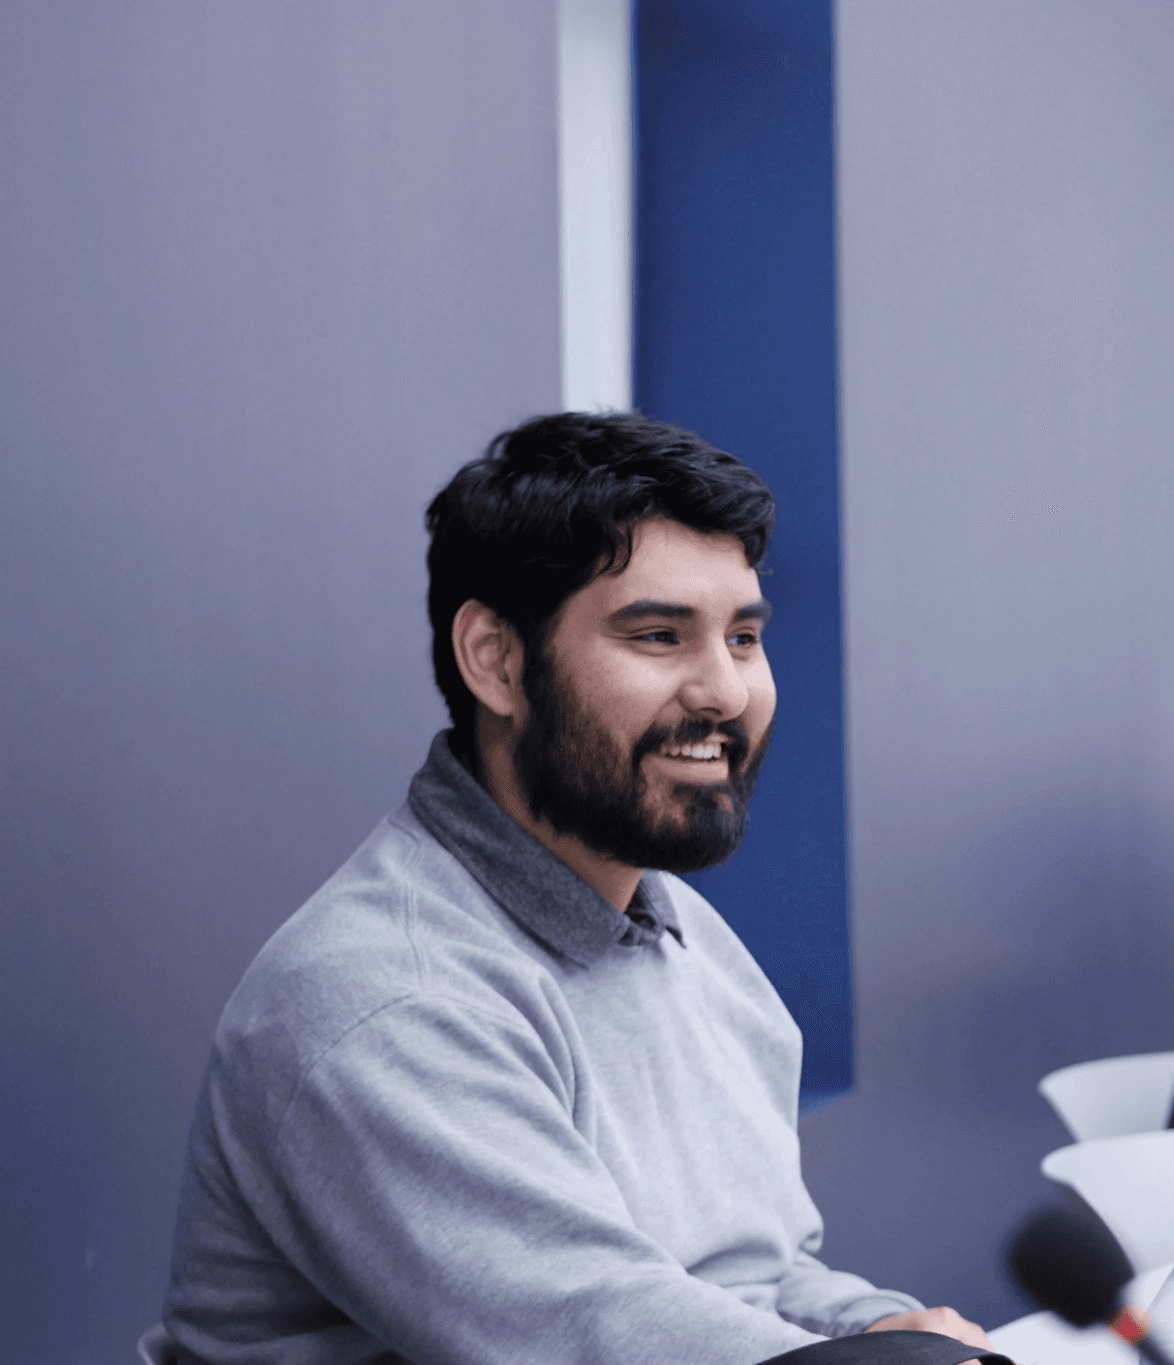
(866, 1348)
(537, 889)
(887, 1348)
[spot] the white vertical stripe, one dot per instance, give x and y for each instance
(595, 202)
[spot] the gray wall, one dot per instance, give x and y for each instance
(271, 272)
(1006, 181)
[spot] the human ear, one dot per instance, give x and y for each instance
(489, 654)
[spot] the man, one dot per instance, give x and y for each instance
(506, 1089)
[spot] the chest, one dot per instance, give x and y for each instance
(685, 1086)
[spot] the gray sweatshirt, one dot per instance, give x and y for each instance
(462, 1111)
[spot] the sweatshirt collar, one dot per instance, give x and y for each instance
(531, 884)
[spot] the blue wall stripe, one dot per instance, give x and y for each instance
(735, 337)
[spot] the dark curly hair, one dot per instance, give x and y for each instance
(552, 504)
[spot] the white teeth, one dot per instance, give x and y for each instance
(695, 751)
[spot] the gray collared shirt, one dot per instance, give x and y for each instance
(461, 1111)
(530, 883)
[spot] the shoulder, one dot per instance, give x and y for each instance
(703, 926)
(715, 949)
(401, 920)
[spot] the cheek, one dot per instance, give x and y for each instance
(623, 689)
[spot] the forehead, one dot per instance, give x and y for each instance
(674, 563)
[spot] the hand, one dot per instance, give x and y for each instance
(944, 1321)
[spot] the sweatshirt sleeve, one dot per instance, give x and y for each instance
(428, 1178)
(833, 1302)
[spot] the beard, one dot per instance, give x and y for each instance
(573, 773)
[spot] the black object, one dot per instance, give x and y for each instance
(887, 1348)
(1065, 1259)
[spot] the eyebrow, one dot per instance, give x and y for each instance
(646, 607)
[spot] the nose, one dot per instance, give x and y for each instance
(713, 684)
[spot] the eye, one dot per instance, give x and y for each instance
(658, 637)
(745, 639)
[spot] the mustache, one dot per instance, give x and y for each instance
(733, 736)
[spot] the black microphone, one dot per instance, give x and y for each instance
(1066, 1260)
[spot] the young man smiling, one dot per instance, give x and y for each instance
(506, 1090)
(652, 718)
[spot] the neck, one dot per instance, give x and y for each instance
(494, 769)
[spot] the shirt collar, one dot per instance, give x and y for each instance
(531, 884)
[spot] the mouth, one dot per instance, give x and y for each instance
(695, 754)
(696, 763)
